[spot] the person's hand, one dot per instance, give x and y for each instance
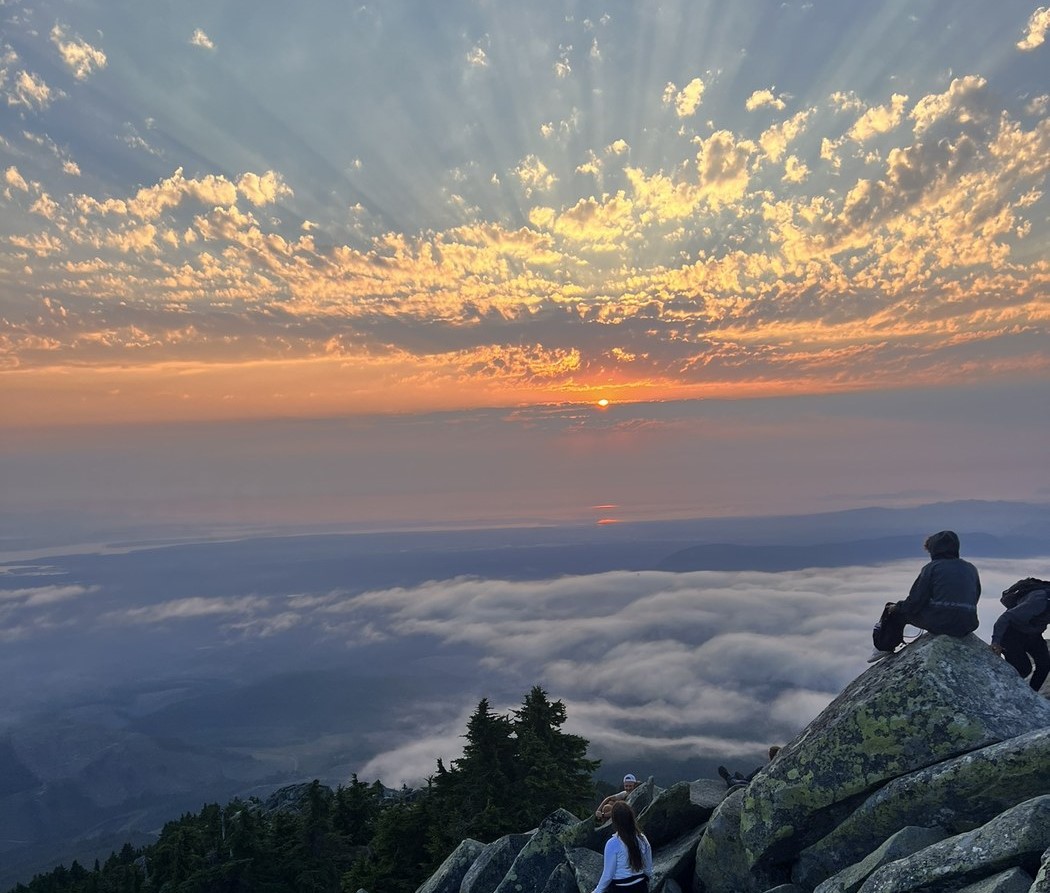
(996, 649)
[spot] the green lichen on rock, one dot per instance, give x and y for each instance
(938, 698)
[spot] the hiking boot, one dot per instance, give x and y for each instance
(878, 655)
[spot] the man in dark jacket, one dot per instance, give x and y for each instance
(942, 600)
(1018, 633)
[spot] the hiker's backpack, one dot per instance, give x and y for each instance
(1012, 596)
(1020, 591)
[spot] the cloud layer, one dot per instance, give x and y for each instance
(653, 666)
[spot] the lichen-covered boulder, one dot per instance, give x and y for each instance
(1017, 838)
(957, 795)
(544, 852)
(905, 842)
(492, 864)
(562, 880)
(1012, 881)
(1041, 884)
(676, 860)
(586, 833)
(679, 809)
(586, 865)
(722, 865)
(449, 876)
(936, 699)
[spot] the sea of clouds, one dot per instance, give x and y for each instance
(706, 665)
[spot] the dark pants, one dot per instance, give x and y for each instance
(1017, 646)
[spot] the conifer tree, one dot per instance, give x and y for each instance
(555, 771)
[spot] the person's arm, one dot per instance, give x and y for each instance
(609, 867)
(647, 859)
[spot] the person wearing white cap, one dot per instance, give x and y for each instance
(604, 809)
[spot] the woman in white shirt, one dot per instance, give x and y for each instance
(628, 856)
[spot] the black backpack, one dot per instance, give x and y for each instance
(1012, 596)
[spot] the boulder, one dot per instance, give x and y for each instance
(722, 865)
(544, 852)
(786, 888)
(1017, 838)
(449, 876)
(679, 809)
(1012, 881)
(562, 880)
(493, 863)
(905, 842)
(957, 795)
(586, 866)
(676, 861)
(1041, 884)
(936, 699)
(586, 833)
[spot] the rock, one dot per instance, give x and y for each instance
(586, 866)
(671, 886)
(493, 863)
(957, 795)
(905, 842)
(786, 888)
(676, 861)
(722, 865)
(449, 876)
(544, 852)
(936, 699)
(679, 809)
(562, 880)
(586, 833)
(1042, 877)
(1014, 839)
(1012, 881)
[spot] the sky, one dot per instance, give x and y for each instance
(486, 219)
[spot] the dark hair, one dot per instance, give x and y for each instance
(626, 826)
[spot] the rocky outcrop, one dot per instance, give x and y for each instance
(930, 772)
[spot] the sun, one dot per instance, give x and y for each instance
(603, 403)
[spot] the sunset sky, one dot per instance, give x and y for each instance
(472, 210)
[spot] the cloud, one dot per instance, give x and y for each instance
(722, 163)
(762, 98)
(687, 100)
(264, 189)
(879, 120)
(722, 663)
(186, 609)
(534, 175)
(30, 90)
(1035, 31)
(13, 178)
(80, 57)
(959, 102)
(200, 39)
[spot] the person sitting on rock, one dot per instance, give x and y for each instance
(942, 600)
(604, 809)
(1018, 633)
(628, 859)
(732, 779)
